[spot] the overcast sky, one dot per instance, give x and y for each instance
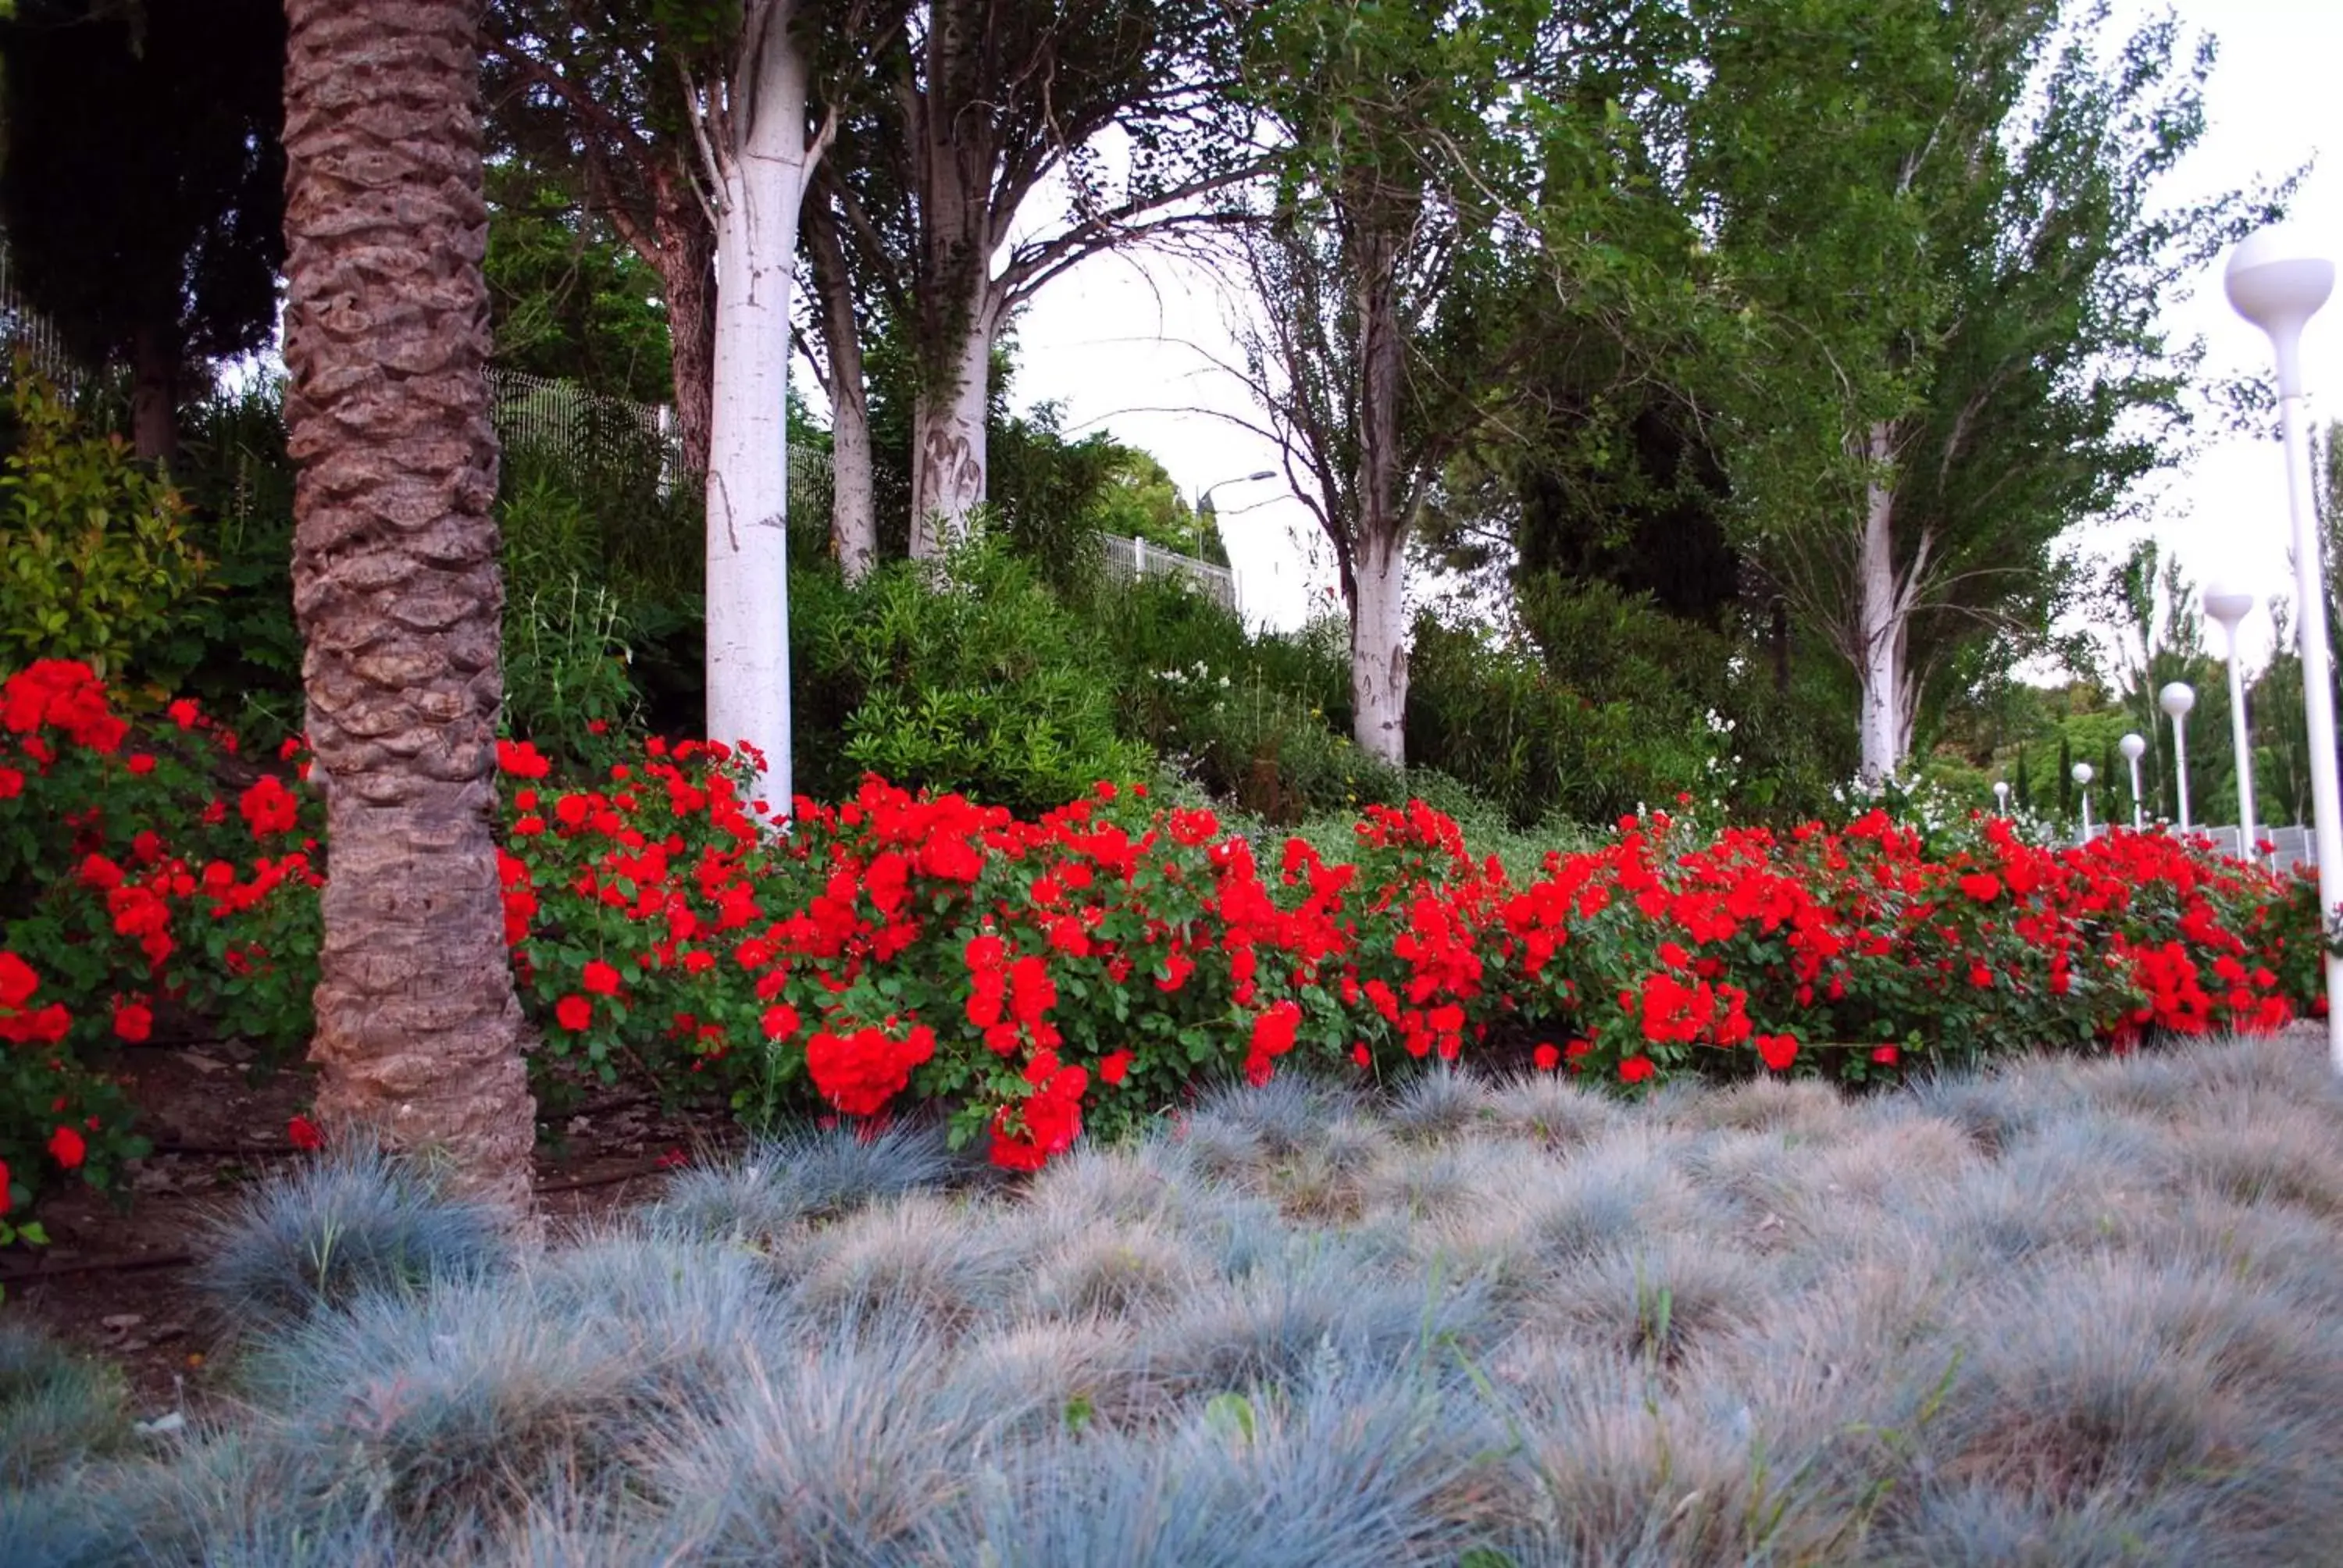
(1125, 343)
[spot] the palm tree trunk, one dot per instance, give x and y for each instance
(394, 579)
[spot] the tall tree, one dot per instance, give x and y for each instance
(724, 155)
(747, 103)
(1955, 294)
(955, 116)
(143, 189)
(1444, 171)
(395, 577)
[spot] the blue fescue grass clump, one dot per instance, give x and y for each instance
(804, 1178)
(321, 1235)
(57, 1410)
(2061, 1314)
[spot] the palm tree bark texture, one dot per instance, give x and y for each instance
(394, 579)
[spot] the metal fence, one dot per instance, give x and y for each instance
(2290, 847)
(24, 330)
(1129, 560)
(588, 431)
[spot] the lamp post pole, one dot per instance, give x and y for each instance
(1204, 501)
(2133, 747)
(2176, 699)
(2230, 606)
(2277, 282)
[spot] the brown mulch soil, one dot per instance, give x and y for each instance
(114, 1278)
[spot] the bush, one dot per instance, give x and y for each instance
(1029, 977)
(968, 677)
(98, 561)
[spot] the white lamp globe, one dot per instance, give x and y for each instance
(2227, 605)
(2176, 699)
(2082, 773)
(2278, 280)
(2133, 747)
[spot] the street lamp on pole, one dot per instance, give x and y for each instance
(2176, 699)
(1204, 500)
(2001, 796)
(2133, 747)
(2230, 605)
(2278, 283)
(2083, 785)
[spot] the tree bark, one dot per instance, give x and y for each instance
(685, 260)
(853, 511)
(394, 579)
(1379, 593)
(1881, 621)
(1379, 650)
(154, 396)
(956, 306)
(949, 460)
(760, 181)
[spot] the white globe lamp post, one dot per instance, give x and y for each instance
(2230, 605)
(2001, 796)
(2083, 783)
(2176, 699)
(2133, 747)
(2278, 283)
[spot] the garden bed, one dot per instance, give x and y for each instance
(2067, 1311)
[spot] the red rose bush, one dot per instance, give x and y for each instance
(1038, 977)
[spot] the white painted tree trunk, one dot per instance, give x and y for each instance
(947, 450)
(760, 182)
(1379, 648)
(1881, 618)
(853, 508)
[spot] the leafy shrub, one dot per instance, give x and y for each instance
(970, 678)
(98, 560)
(236, 647)
(1499, 721)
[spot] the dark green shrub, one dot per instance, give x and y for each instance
(973, 678)
(236, 647)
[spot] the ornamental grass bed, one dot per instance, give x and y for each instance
(2065, 1312)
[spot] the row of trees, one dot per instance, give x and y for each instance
(1863, 291)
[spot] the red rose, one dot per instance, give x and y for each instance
(17, 981)
(601, 979)
(133, 1022)
(573, 1012)
(1636, 1069)
(304, 1135)
(1777, 1050)
(1547, 1058)
(1982, 886)
(66, 1148)
(1114, 1065)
